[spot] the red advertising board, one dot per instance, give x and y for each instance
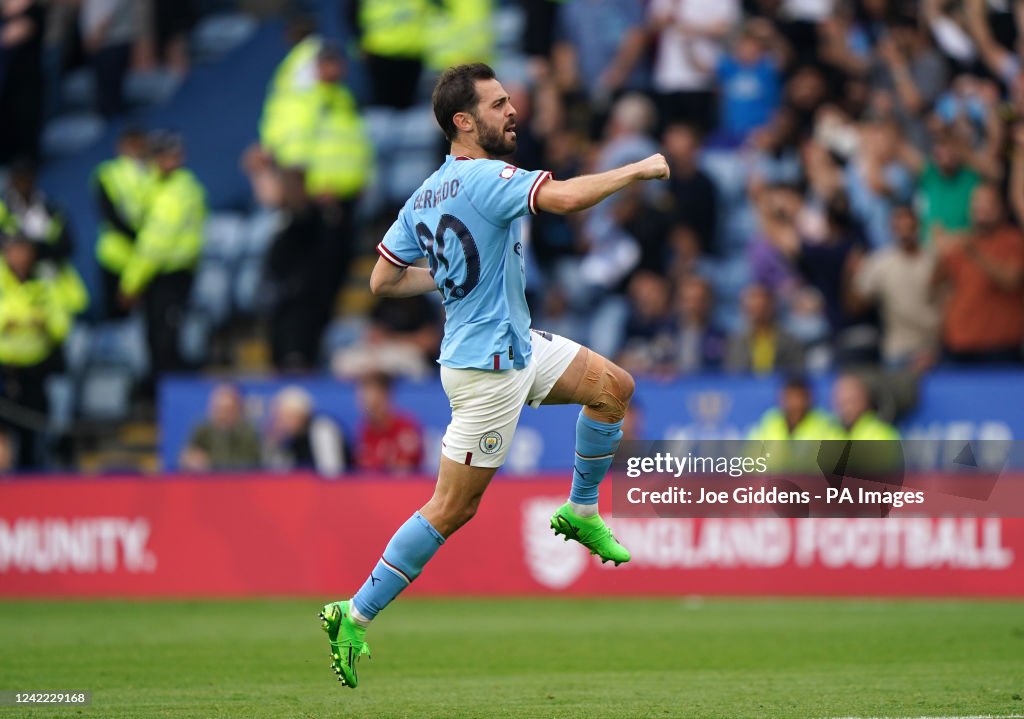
(300, 535)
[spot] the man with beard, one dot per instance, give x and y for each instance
(463, 220)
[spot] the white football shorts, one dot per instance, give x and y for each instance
(486, 403)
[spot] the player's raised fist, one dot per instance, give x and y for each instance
(654, 167)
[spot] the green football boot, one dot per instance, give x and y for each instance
(348, 641)
(591, 532)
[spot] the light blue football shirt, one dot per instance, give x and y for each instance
(463, 219)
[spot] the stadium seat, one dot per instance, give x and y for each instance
(417, 130)
(60, 389)
(220, 34)
(211, 291)
(225, 237)
(121, 343)
(106, 393)
(72, 134)
(258, 233)
(248, 280)
(195, 337)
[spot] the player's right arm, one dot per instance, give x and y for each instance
(389, 280)
(394, 275)
(580, 193)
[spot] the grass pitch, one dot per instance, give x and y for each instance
(456, 659)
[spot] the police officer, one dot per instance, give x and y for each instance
(121, 185)
(25, 210)
(33, 322)
(323, 134)
(162, 263)
(459, 32)
(392, 37)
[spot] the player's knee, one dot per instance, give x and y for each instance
(451, 513)
(613, 393)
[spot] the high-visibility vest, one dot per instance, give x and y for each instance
(127, 182)
(171, 236)
(326, 136)
(869, 427)
(70, 288)
(33, 320)
(459, 32)
(295, 75)
(815, 425)
(393, 28)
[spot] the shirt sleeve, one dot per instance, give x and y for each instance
(502, 192)
(400, 246)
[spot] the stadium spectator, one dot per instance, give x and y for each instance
(795, 417)
(321, 131)
(25, 209)
(226, 440)
(762, 346)
(694, 194)
(109, 31)
(599, 50)
(699, 344)
(982, 272)
(851, 402)
(389, 440)
(33, 324)
(877, 178)
(7, 450)
(650, 327)
(393, 40)
(458, 32)
(947, 178)
(611, 251)
(298, 438)
(749, 79)
(121, 187)
(909, 75)
(162, 264)
(22, 80)
(898, 278)
(689, 45)
(401, 339)
(170, 23)
(290, 272)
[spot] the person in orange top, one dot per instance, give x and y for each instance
(982, 274)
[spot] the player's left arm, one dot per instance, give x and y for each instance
(389, 280)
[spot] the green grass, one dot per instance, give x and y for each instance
(589, 659)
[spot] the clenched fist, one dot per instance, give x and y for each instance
(654, 167)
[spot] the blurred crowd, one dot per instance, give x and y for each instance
(847, 184)
(290, 433)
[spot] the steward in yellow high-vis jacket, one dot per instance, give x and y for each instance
(321, 131)
(296, 74)
(122, 185)
(33, 323)
(393, 38)
(166, 251)
(460, 32)
(25, 210)
(794, 419)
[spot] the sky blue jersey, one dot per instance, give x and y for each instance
(463, 220)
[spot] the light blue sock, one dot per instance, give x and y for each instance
(407, 553)
(596, 443)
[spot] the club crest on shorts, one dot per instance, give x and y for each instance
(490, 443)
